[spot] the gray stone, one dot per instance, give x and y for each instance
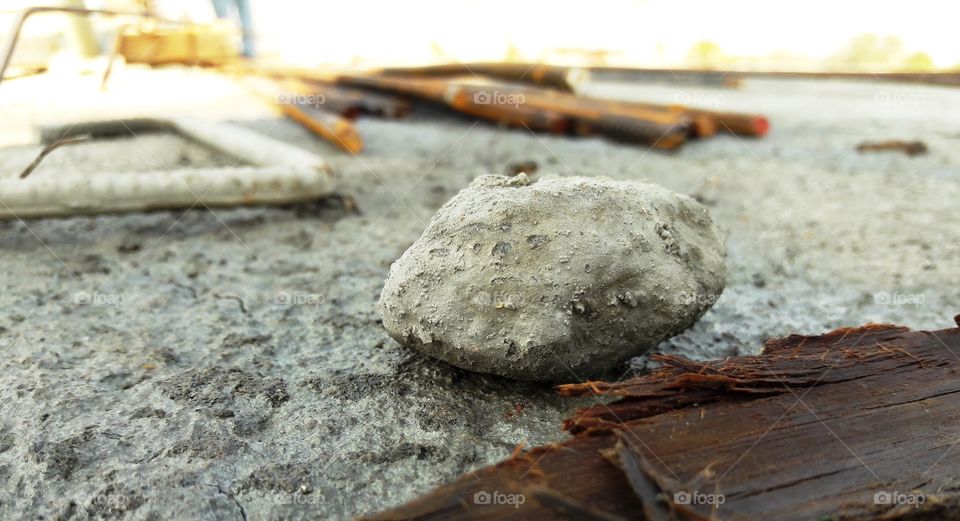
(557, 280)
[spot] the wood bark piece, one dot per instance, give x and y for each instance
(857, 423)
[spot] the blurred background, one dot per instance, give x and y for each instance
(818, 35)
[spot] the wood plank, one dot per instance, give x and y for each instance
(858, 423)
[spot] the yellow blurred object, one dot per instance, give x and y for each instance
(208, 44)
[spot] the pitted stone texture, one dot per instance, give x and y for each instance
(558, 280)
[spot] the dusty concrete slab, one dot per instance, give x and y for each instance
(213, 364)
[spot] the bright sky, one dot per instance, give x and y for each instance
(646, 31)
(640, 32)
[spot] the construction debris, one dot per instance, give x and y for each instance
(537, 109)
(153, 41)
(732, 78)
(305, 109)
(850, 424)
(554, 280)
(245, 145)
(560, 78)
(548, 105)
(195, 44)
(351, 103)
(660, 126)
(910, 148)
(50, 148)
(282, 174)
(684, 78)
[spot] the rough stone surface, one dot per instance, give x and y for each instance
(556, 280)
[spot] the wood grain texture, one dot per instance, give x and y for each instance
(858, 423)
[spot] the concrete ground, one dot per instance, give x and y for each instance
(230, 364)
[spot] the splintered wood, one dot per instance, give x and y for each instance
(858, 423)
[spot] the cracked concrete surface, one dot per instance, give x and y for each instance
(230, 364)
